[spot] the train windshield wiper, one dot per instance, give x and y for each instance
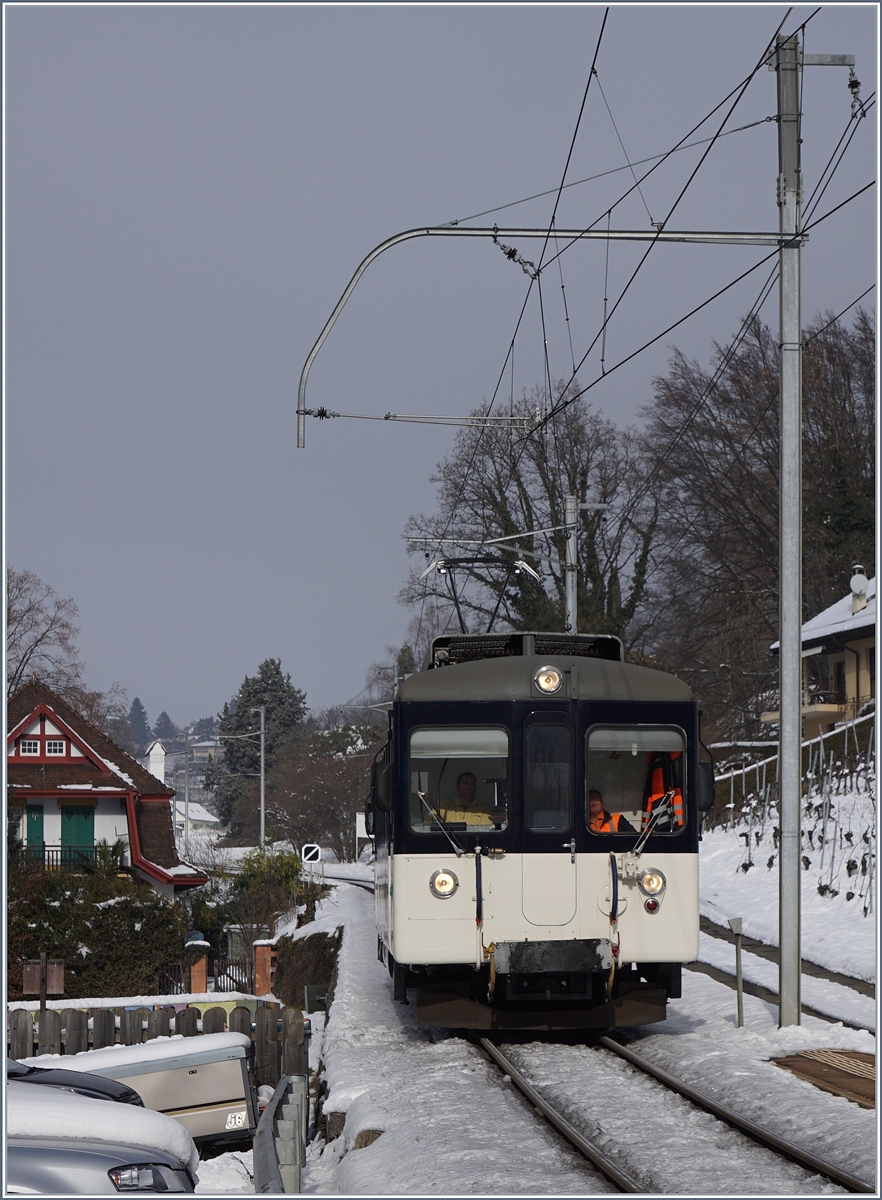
(664, 808)
(458, 850)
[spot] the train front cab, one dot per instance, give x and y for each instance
(496, 898)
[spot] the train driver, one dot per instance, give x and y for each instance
(465, 806)
(600, 821)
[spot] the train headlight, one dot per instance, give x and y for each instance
(548, 679)
(443, 884)
(651, 882)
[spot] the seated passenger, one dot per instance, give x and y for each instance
(465, 806)
(600, 821)
(665, 776)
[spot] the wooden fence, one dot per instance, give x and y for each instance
(278, 1034)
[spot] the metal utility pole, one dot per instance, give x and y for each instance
(186, 791)
(789, 62)
(790, 518)
(262, 711)
(571, 517)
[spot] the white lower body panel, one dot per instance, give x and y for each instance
(537, 898)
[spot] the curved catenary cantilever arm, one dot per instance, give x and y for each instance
(625, 235)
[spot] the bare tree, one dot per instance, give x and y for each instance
(41, 640)
(320, 782)
(41, 634)
(497, 483)
(712, 443)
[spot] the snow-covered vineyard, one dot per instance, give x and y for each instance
(415, 1110)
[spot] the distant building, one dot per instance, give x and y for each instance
(845, 634)
(193, 815)
(74, 787)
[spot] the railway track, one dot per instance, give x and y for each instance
(620, 1164)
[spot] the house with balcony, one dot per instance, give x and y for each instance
(842, 641)
(73, 787)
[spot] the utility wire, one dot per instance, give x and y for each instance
(738, 94)
(530, 286)
(624, 151)
(639, 162)
(755, 308)
(578, 395)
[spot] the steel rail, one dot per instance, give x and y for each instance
(779, 1145)
(494, 232)
(595, 1156)
(362, 883)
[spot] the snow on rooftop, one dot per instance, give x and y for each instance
(120, 772)
(839, 619)
(197, 812)
(34, 1112)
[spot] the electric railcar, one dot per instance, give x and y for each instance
(536, 816)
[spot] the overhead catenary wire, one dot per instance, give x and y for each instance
(754, 310)
(720, 132)
(743, 275)
(639, 162)
(529, 287)
(738, 94)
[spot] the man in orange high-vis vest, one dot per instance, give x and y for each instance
(665, 775)
(600, 821)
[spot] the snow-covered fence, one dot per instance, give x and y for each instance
(839, 813)
(279, 1034)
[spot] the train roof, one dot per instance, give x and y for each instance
(502, 667)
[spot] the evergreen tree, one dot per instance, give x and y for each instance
(239, 730)
(142, 734)
(205, 727)
(165, 728)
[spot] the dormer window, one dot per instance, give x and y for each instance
(56, 746)
(29, 746)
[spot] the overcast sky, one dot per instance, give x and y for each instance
(188, 191)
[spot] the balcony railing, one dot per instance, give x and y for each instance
(59, 858)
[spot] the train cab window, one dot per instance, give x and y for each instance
(628, 773)
(458, 777)
(548, 778)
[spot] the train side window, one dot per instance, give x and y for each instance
(628, 772)
(548, 778)
(458, 778)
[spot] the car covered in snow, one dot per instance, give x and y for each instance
(63, 1143)
(80, 1082)
(204, 1082)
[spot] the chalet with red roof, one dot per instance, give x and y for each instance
(75, 787)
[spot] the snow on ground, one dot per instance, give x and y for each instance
(833, 999)
(643, 1127)
(699, 1043)
(227, 1175)
(450, 1125)
(387, 1073)
(835, 933)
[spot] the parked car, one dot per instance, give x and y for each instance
(204, 1082)
(62, 1143)
(80, 1082)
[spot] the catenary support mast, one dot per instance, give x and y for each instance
(790, 523)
